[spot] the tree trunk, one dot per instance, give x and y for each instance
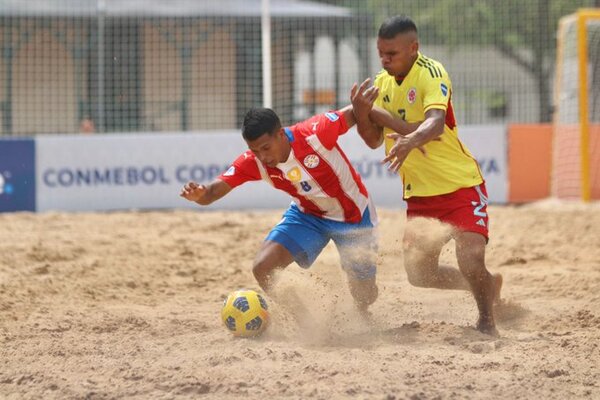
(543, 86)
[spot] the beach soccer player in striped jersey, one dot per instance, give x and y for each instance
(330, 202)
(441, 178)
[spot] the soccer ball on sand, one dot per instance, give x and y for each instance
(245, 313)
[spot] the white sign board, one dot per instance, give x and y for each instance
(139, 171)
(147, 171)
(489, 146)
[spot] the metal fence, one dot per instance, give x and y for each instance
(70, 66)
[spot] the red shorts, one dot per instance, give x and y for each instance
(465, 209)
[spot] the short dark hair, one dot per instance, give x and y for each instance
(395, 25)
(259, 121)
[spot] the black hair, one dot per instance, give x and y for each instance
(260, 121)
(396, 25)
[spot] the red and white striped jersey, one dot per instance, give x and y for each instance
(317, 174)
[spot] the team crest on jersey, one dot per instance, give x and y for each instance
(294, 174)
(332, 116)
(230, 171)
(412, 95)
(444, 89)
(311, 161)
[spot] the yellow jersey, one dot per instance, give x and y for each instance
(448, 164)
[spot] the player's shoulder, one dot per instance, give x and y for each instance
(430, 68)
(246, 157)
(245, 165)
(310, 125)
(298, 132)
(385, 82)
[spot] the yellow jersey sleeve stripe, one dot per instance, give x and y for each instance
(440, 106)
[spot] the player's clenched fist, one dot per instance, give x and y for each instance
(193, 191)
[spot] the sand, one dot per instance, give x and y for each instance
(127, 305)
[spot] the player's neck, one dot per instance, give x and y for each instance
(400, 77)
(286, 154)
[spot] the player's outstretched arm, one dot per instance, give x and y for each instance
(383, 117)
(205, 194)
(429, 130)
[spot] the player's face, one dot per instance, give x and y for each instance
(270, 149)
(399, 53)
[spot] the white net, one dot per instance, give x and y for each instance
(577, 142)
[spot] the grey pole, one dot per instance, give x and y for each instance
(101, 14)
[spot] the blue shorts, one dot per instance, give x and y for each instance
(305, 236)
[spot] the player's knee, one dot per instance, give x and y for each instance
(366, 297)
(417, 280)
(472, 264)
(473, 270)
(415, 275)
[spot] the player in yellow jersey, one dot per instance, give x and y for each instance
(442, 180)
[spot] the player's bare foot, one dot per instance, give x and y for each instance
(498, 280)
(486, 325)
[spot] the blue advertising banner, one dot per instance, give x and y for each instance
(17, 175)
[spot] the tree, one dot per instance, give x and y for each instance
(524, 31)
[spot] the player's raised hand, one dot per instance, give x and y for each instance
(363, 97)
(398, 152)
(193, 191)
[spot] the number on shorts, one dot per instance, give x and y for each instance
(483, 201)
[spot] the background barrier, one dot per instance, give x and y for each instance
(530, 160)
(147, 170)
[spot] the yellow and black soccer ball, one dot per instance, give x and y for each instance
(245, 313)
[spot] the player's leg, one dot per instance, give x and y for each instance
(471, 236)
(297, 237)
(359, 260)
(357, 246)
(470, 253)
(271, 257)
(364, 291)
(421, 259)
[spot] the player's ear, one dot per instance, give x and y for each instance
(415, 46)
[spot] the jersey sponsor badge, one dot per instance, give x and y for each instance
(311, 161)
(294, 174)
(412, 95)
(332, 116)
(444, 89)
(230, 171)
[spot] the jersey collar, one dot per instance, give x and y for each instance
(412, 68)
(289, 134)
